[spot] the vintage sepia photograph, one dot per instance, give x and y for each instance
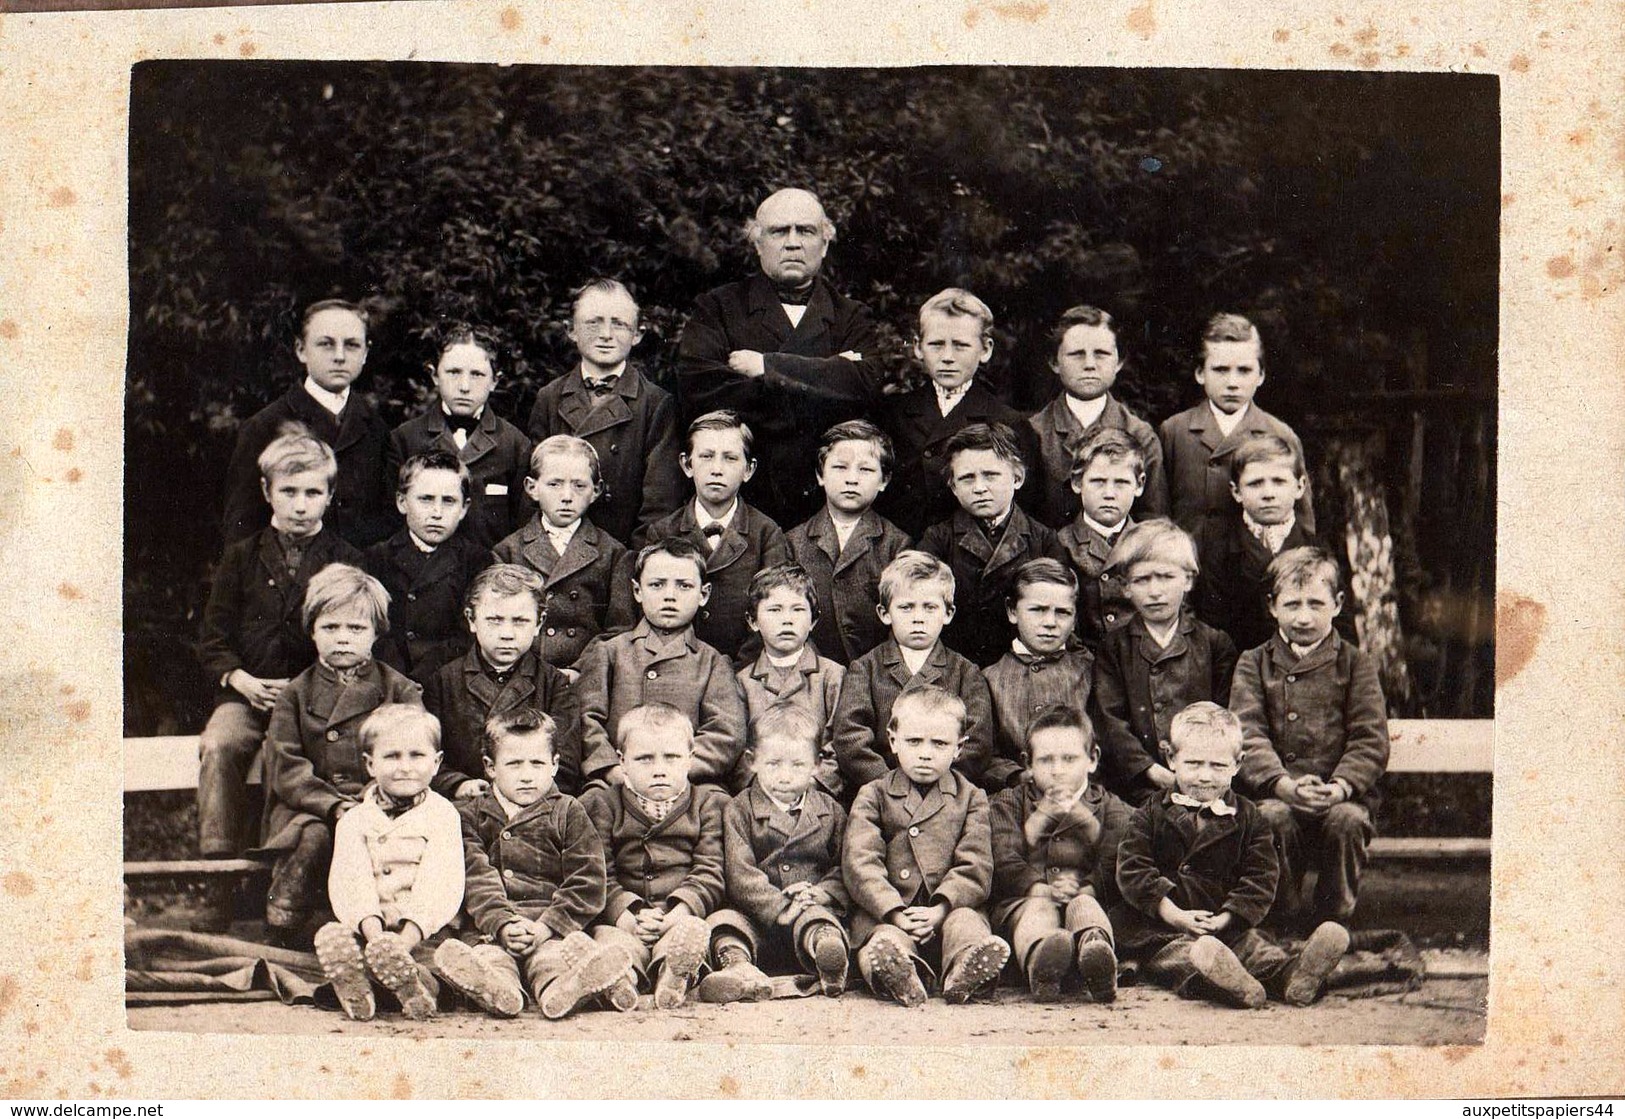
(964, 554)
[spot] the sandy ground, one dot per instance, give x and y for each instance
(1441, 1012)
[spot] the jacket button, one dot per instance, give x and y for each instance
(571, 632)
(383, 839)
(1111, 617)
(930, 454)
(386, 870)
(1291, 716)
(411, 635)
(903, 874)
(332, 736)
(508, 872)
(270, 582)
(507, 835)
(614, 448)
(1055, 870)
(785, 867)
(551, 632)
(1290, 758)
(913, 831)
(410, 597)
(1036, 667)
(651, 675)
(1291, 679)
(575, 594)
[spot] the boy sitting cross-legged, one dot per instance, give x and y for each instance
(1055, 842)
(1197, 870)
(662, 841)
(782, 858)
(397, 873)
(918, 861)
(536, 879)
(916, 601)
(1040, 671)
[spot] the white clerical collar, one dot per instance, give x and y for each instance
(419, 543)
(948, 399)
(333, 401)
(1108, 531)
(560, 537)
(1087, 411)
(702, 518)
(1162, 635)
(1301, 651)
(1271, 536)
(1227, 421)
(795, 311)
(914, 658)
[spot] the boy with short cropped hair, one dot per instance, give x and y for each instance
(460, 423)
(918, 861)
(846, 545)
(782, 858)
(1236, 549)
(535, 880)
(332, 348)
(607, 400)
(956, 339)
(661, 660)
(1197, 443)
(1041, 670)
(503, 672)
(315, 766)
(789, 671)
(586, 572)
(735, 539)
(1316, 736)
(663, 846)
(1197, 869)
(987, 539)
(1161, 662)
(426, 567)
(1055, 838)
(1086, 362)
(916, 601)
(254, 640)
(397, 875)
(1108, 473)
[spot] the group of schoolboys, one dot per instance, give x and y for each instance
(788, 747)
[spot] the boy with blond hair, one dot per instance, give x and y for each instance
(397, 875)
(1108, 474)
(1197, 870)
(916, 602)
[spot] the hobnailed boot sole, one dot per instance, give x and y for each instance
(1320, 954)
(684, 958)
(977, 967)
(622, 994)
(1215, 962)
(345, 968)
(892, 970)
(487, 988)
(831, 960)
(1097, 967)
(392, 965)
(599, 970)
(739, 982)
(1048, 964)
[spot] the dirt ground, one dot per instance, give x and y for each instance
(1440, 1012)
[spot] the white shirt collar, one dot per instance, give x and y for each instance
(795, 311)
(1272, 536)
(843, 530)
(447, 412)
(788, 661)
(1163, 635)
(419, 543)
(1087, 411)
(702, 518)
(796, 805)
(1302, 651)
(1227, 423)
(560, 537)
(333, 401)
(914, 659)
(602, 375)
(948, 399)
(1109, 533)
(509, 808)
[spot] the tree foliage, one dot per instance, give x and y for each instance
(1354, 216)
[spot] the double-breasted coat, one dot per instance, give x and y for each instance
(846, 580)
(545, 864)
(588, 589)
(1233, 588)
(497, 455)
(1197, 457)
(654, 862)
(765, 850)
(426, 624)
(1059, 435)
(1103, 602)
(1022, 685)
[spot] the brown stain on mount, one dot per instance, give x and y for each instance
(1142, 20)
(509, 19)
(1560, 267)
(1520, 622)
(70, 592)
(61, 198)
(8, 329)
(18, 884)
(119, 1063)
(63, 440)
(8, 993)
(1519, 64)
(401, 1087)
(728, 1087)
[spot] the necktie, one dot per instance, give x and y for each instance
(796, 298)
(461, 423)
(713, 535)
(601, 388)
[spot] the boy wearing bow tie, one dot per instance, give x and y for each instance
(629, 420)
(1198, 872)
(1039, 671)
(736, 540)
(1316, 731)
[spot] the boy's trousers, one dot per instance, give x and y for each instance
(960, 930)
(776, 947)
(532, 972)
(1337, 840)
(226, 749)
(646, 957)
(299, 878)
(1030, 920)
(1266, 961)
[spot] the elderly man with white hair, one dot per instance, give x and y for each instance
(786, 351)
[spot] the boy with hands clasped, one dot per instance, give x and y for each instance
(1197, 870)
